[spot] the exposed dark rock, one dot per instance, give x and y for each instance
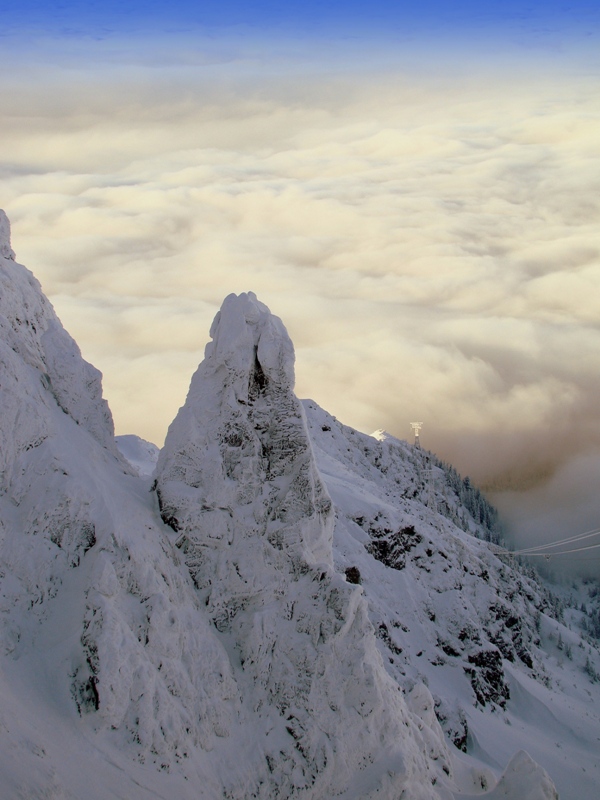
(487, 677)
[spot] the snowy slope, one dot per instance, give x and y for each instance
(206, 636)
(481, 634)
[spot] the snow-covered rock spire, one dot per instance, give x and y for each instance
(238, 453)
(223, 656)
(123, 635)
(238, 483)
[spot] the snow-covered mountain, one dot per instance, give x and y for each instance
(482, 634)
(286, 608)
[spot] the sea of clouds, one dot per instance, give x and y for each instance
(425, 223)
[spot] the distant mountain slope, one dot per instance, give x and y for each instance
(139, 453)
(480, 633)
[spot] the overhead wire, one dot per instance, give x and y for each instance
(542, 550)
(560, 552)
(569, 540)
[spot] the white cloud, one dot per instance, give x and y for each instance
(428, 232)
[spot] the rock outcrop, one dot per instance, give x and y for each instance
(238, 484)
(87, 574)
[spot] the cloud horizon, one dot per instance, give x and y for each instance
(425, 224)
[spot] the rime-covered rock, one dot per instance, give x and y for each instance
(238, 457)
(52, 411)
(41, 366)
(238, 484)
(87, 574)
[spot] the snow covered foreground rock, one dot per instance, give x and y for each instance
(229, 652)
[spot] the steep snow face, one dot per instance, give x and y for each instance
(47, 392)
(238, 484)
(95, 602)
(43, 361)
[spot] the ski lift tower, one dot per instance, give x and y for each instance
(416, 426)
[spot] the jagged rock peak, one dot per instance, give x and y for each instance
(53, 419)
(240, 442)
(251, 341)
(5, 249)
(238, 483)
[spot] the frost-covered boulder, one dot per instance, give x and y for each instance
(238, 484)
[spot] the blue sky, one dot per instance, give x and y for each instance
(358, 18)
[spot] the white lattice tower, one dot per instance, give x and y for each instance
(416, 426)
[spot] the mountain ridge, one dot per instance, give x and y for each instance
(293, 626)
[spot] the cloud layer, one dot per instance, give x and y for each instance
(426, 228)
